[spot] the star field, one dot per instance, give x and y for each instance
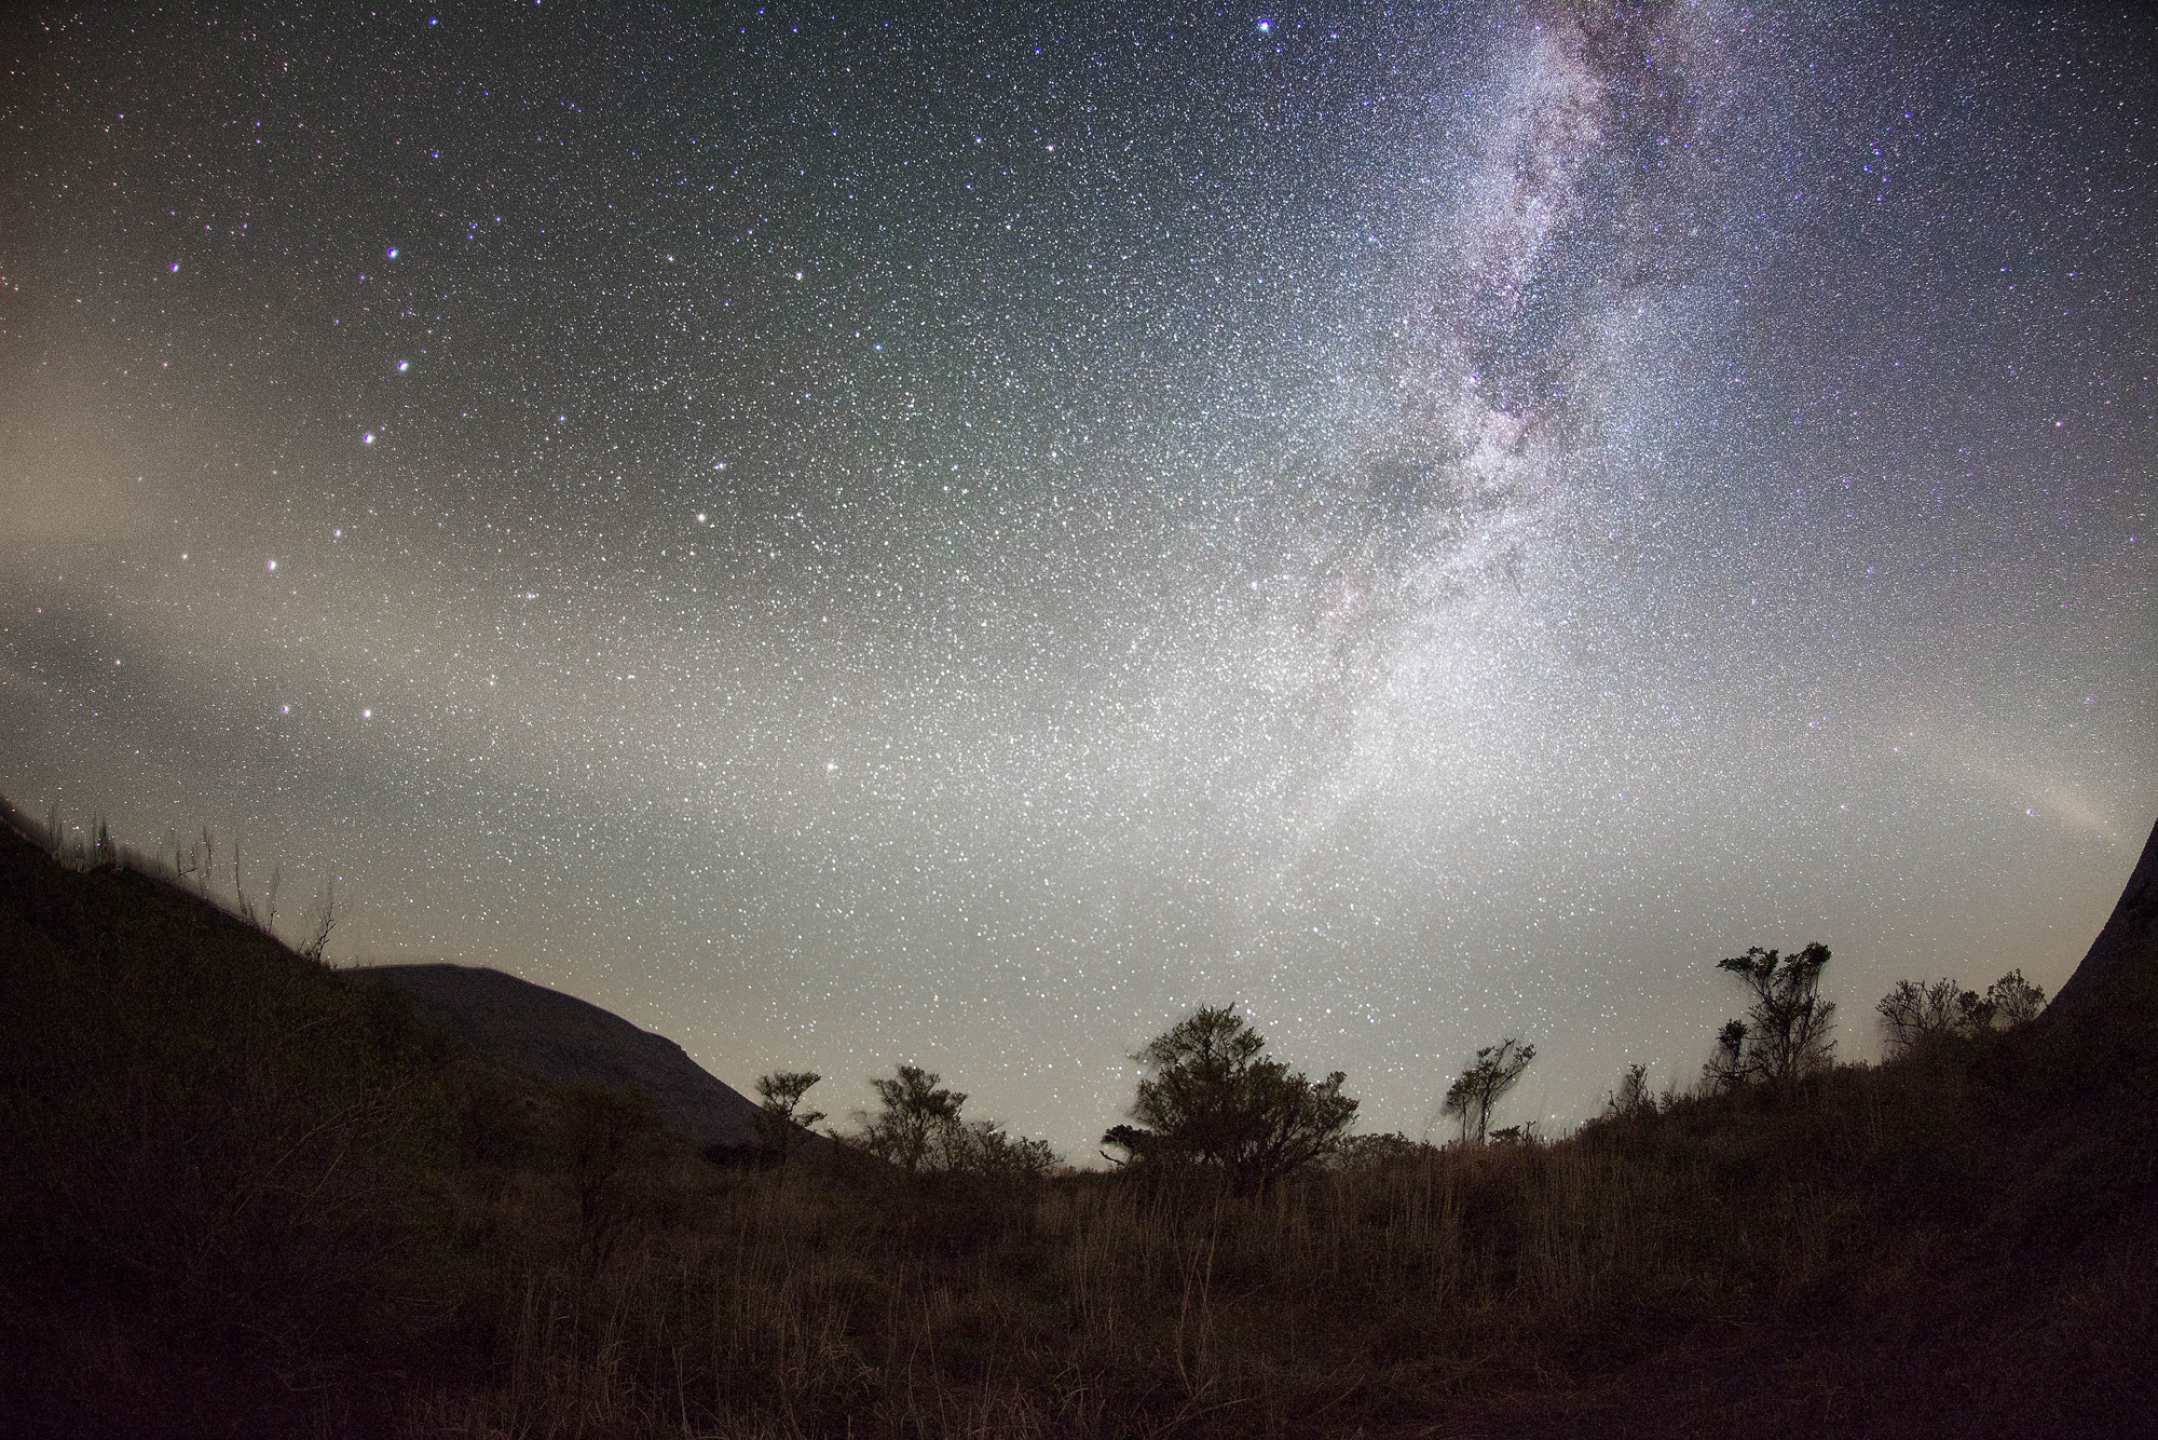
(882, 537)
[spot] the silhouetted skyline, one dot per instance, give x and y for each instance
(894, 538)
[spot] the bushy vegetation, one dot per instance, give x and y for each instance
(247, 1196)
(1786, 1034)
(1857, 1254)
(223, 1162)
(1477, 1090)
(1213, 1103)
(918, 1128)
(1919, 1013)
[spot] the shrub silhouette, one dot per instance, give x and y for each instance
(782, 1124)
(1477, 1089)
(1919, 1013)
(1916, 1013)
(919, 1129)
(1785, 1035)
(2014, 1000)
(916, 1110)
(986, 1149)
(1214, 1102)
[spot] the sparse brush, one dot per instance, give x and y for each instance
(245, 1196)
(214, 1198)
(1401, 1280)
(1917, 1014)
(315, 937)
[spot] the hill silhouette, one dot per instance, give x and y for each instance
(567, 1041)
(213, 1212)
(2118, 976)
(248, 1194)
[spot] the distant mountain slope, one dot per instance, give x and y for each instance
(568, 1041)
(2121, 969)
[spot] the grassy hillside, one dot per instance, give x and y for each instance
(223, 1166)
(1896, 1251)
(248, 1195)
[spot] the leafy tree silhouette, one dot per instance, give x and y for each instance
(1784, 1037)
(1476, 1090)
(782, 1124)
(916, 1112)
(1214, 1102)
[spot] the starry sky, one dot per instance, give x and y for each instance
(883, 537)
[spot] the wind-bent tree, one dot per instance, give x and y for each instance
(782, 1124)
(1476, 1090)
(1212, 1101)
(916, 1112)
(1632, 1097)
(1784, 1037)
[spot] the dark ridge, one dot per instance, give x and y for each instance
(210, 1222)
(566, 1041)
(245, 1194)
(2120, 971)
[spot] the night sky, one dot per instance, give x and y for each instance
(880, 538)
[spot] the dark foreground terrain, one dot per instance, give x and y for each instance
(246, 1194)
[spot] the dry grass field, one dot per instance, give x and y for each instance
(247, 1194)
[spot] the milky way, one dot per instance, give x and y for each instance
(880, 538)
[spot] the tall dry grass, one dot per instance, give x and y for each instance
(744, 1305)
(244, 1198)
(1747, 1254)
